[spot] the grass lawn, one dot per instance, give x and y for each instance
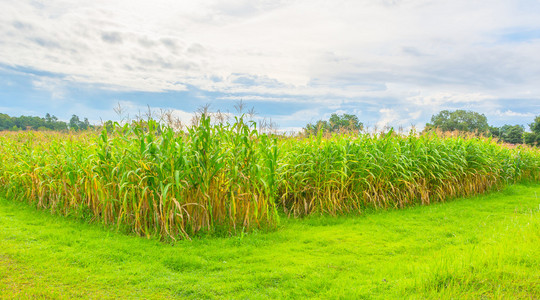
(480, 247)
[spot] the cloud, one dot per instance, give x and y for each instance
(311, 115)
(183, 116)
(388, 116)
(22, 25)
(357, 44)
(111, 37)
(55, 86)
(440, 98)
(290, 130)
(415, 114)
(509, 113)
(128, 110)
(379, 58)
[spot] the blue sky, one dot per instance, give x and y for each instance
(390, 62)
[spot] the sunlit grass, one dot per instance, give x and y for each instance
(476, 248)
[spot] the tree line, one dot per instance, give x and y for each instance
(446, 121)
(47, 123)
(470, 121)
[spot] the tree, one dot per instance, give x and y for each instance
(33, 123)
(533, 137)
(75, 123)
(535, 126)
(460, 120)
(52, 123)
(85, 124)
(336, 123)
(6, 122)
(29, 122)
(495, 131)
(512, 134)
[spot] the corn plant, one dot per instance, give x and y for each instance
(156, 181)
(348, 173)
(148, 177)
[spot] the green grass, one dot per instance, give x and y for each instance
(479, 247)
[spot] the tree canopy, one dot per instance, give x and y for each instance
(460, 120)
(36, 123)
(512, 134)
(533, 137)
(336, 123)
(76, 124)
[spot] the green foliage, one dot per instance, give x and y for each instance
(535, 126)
(336, 123)
(32, 123)
(229, 178)
(512, 134)
(460, 120)
(533, 138)
(477, 248)
(146, 176)
(349, 173)
(6, 122)
(52, 123)
(76, 124)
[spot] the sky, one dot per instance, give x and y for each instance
(390, 62)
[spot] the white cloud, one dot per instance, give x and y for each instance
(415, 115)
(439, 98)
(388, 116)
(421, 54)
(163, 46)
(290, 130)
(509, 113)
(55, 86)
(183, 116)
(310, 114)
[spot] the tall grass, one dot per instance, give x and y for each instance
(229, 177)
(146, 176)
(350, 172)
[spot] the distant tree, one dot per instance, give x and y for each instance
(59, 125)
(535, 126)
(33, 123)
(336, 123)
(495, 131)
(346, 121)
(85, 124)
(109, 126)
(29, 122)
(512, 134)
(75, 123)
(460, 120)
(533, 137)
(6, 122)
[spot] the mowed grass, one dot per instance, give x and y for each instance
(480, 247)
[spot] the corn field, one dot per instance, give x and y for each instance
(155, 181)
(348, 173)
